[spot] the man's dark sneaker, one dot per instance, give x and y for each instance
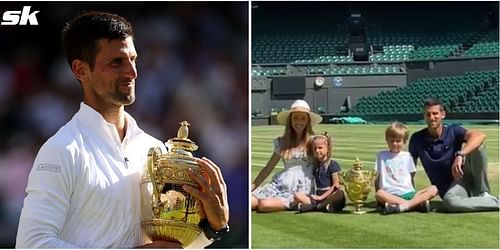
(425, 207)
(306, 207)
(391, 208)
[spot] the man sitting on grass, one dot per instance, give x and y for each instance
(458, 172)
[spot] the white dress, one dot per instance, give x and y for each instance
(296, 177)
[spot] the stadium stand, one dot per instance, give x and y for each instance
(471, 92)
(450, 52)
(317, 39)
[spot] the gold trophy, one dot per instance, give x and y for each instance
(357, 183)
(168, 212)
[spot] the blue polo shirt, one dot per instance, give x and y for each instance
(323, 175)
(437, 155)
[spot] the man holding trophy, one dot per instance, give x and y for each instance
(84, 190)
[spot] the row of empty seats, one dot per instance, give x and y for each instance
(269, 71)
(434, 52)
(469, 92)
(318, 48)
(325, 59)
(483, 49)
(352, 69)
(420, 39)
(393, 53)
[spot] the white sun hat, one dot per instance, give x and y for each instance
(298, 106)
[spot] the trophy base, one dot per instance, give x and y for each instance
(160, 229)
(359, 212)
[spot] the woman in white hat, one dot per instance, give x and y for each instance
(291, 148)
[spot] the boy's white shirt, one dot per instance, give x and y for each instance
(394, 171)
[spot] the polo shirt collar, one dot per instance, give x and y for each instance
(441, 137)
(95, 124)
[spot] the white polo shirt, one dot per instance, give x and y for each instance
(84, 188)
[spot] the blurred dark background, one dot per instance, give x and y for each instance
(192, 65)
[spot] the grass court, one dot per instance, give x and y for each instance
(372, 230)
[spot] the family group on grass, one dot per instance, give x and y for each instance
(453, 158)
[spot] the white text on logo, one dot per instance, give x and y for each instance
(24, 17)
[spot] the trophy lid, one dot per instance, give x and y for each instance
(358, 164)
(181, 143)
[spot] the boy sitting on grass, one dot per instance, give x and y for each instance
(395, 176)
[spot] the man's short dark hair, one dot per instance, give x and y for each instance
(81, 35)
(433, 101)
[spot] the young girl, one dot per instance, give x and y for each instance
(329, 195)
(291, 148)
(395, 171)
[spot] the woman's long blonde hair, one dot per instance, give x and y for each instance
(289, 139)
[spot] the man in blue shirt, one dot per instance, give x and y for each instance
(458, 172)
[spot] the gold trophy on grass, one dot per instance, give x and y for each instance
(168, 212)
(357, 183)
